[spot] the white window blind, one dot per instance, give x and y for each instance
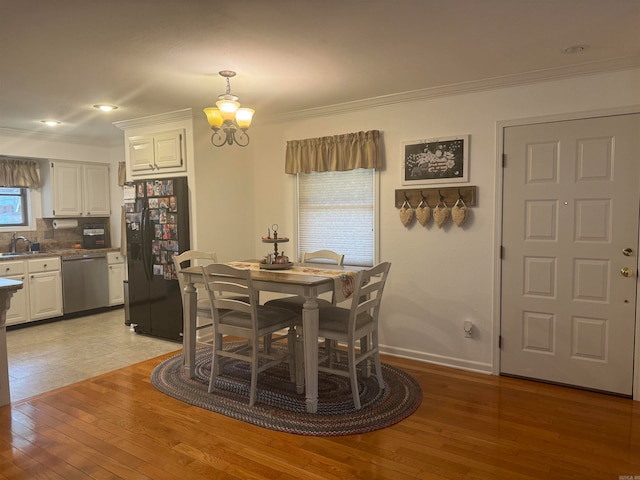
(336, 211)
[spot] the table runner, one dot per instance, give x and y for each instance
(343, 280)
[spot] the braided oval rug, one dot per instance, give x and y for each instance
(279, 407)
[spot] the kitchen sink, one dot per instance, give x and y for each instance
(21, 254)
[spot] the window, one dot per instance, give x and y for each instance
(336, 211)
(13, 207)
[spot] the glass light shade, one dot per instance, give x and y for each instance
(228, 109)
(214, 117)
(244, 116)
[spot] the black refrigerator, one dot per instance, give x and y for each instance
(157, 223)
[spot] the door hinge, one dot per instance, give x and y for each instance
(504, 160)
(501, 252)
(499, 341)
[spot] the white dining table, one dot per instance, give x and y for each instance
(287, 282)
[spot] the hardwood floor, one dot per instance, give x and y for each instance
(469, 426)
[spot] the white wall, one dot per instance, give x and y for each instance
(439, 278)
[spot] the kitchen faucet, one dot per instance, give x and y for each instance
(14, 241)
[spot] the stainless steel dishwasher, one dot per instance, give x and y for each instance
(85, 282)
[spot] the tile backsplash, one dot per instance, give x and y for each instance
(48, 237)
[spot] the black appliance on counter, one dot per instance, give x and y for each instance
(157, 223)
(94, 236)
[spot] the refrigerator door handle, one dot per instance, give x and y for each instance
(146, 244)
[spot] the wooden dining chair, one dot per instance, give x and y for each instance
(359, 323)
(246, 319)
(203, 310)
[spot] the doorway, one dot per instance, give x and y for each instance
(570, 210)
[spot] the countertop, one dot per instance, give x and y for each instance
(53, 253)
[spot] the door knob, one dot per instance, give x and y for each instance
(626, 271)
(627, 252)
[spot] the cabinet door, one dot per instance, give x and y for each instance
(97, 199)
(67, 189)
(169, 149)
(45, 295)
(116, 287)
(19, 304)
(141, 153)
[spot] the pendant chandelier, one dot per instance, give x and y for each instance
(228, 121)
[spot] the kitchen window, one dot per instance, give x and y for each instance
(337, 211)
(13, 207)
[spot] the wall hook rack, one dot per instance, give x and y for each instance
(431, 196)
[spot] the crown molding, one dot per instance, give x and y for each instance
(151, 120)
(537, 76)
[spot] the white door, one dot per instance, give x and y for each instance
(570, 225)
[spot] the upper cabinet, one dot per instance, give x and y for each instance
(157, 152)
(73, 189)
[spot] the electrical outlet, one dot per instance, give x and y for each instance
(468, 329)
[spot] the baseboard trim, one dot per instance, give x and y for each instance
(461, 363)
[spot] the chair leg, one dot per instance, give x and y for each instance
(254, 373)
(299, 348)
(353, 375)
(364, 348)
(376, 360)
(266, 342)
(291, 347)
(215, 362)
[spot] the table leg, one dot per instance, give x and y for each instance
(310, 338)
(189, 313)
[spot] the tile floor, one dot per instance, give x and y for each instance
(51, 355)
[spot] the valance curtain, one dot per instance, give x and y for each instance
(19, 173)
(337, 153)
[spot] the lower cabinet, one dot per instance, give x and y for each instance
(117, 269)
(41, 293)
(19, 303)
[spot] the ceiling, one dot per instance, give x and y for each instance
(60, 57)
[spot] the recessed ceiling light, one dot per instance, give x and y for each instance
(51, 123)
(575, 49)
(105, 107)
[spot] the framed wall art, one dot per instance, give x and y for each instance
(435, 160)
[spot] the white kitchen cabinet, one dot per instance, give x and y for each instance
(96, 191)
(117, 270)
(19, 306)
(74, 189)
(157, 153)
(41, 293)
(45, 288)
